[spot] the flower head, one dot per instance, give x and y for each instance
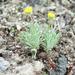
(51, 15)
(28, 10)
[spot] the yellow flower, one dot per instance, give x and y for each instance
(28, 10)
(51, 15)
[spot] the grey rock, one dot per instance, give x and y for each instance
(61, 66)
(60, 22)
(4, 65)
(65, 2)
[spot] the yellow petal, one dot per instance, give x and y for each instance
(28, 10)
(51, 15)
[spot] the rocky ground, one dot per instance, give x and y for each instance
(14, 57)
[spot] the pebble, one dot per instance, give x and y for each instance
(60, 22)
(26, 69)
(30, 68)
(38, 65)
(4, 65)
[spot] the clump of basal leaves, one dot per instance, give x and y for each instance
(31, 37)
(50, 38)
(36, 35)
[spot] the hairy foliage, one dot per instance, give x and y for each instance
(51, 38)
(31, 37)
(37, 35)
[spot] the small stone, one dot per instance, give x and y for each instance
(65, 2)
(26, 69)
(38, 66)
(60, 22)
(4, 65)
(19, 27)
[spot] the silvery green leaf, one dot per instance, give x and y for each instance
(51, 38)
(32, 36)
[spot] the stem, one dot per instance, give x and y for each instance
(34, 51)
